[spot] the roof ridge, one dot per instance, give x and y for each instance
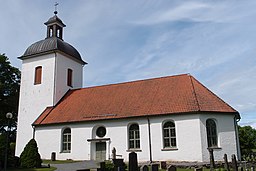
(194, 92)
(215, 95)
(135, 81)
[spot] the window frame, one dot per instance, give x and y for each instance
(38, 75)
(169, 135)
(211, 133)
(66, 140)
(70, 77)
(134, 137)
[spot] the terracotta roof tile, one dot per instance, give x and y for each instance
(166, 95)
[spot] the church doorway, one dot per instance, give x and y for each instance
(100, 151)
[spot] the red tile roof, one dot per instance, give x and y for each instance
(159, 96)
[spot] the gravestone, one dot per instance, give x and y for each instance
(198, 169)
(144, 168)
(133, 162)
(171, 168)
(154, 167)
(163, 165)
(119, 164)
(102, 166)
(234, 163)
(252, 168)
(226, 165)
(53, 156)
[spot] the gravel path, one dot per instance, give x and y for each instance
(76, 166)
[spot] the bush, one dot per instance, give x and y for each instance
(109, 166)
(30, 158)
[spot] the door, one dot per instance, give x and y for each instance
(101, 151)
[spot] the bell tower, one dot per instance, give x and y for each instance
(50, 67)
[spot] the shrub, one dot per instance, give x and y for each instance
(30, 158)
(109, 166)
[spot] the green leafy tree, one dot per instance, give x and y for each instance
(247, 139)
(9, 93)
(30, 158)
(2, 148)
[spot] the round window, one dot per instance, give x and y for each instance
(101, 131)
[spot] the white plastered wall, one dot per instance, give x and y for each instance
(190, 133)
(35, 98)
(226, 136)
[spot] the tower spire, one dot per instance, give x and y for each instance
(56, 5)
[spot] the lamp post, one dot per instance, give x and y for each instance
(8, 116)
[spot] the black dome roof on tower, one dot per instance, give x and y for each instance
(53, 42)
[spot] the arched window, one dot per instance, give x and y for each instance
(38, 75)
(134, 136)
(66, 140)
(69, 77)
(211, 129)
(169, 135)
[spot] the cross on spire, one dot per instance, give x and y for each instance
(56, 5)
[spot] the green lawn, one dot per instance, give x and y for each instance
(35, 169)
(59, 161)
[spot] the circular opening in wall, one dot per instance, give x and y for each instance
(101, 131)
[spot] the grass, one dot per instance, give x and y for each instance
(34, 169)
(59, 161)
(44, 169)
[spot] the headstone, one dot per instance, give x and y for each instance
(144, 168)
(53, 156)
(119, 164)
(226, 165)
(133, 162)
(114, 153)
(102, 166)
(171, 168)
(198, 169)
(234, 163)
(252, 168)
(212, 163)
(154, 167)
(163, 165)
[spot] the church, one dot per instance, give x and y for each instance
(173, 118)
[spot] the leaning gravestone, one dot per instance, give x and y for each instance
(144, 168)
(133, 162)
(171, 168)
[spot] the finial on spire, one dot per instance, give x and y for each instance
(56, 4)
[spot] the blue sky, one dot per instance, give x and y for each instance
(214, 41)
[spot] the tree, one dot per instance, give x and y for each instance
(247, 139)
(30, 158)
(9, 92)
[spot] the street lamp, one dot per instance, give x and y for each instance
(9, 117)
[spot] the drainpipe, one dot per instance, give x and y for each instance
(149, 139)
(236, 120)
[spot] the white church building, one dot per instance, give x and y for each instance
(173, 118)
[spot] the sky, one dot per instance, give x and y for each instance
(213, 40)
